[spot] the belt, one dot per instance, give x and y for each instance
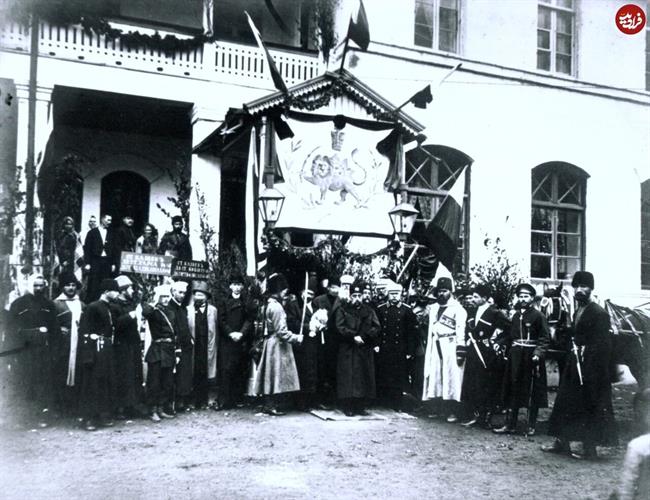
(525, 343)
(163, 341)
(445, 335)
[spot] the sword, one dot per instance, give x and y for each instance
(578, 364)
(478, 351)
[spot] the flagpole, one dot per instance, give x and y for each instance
(304, 302)
(345, 51)
(408, 261)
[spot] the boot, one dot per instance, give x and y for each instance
(510, 425)
(487, 420)
(154, 417)
(532, 421)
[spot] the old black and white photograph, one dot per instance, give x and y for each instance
(324, 249)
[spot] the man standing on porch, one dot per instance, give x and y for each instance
(175, 242)
(99, 256)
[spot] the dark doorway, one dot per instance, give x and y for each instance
(126, 193)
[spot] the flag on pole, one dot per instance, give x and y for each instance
(442, 233)
(422, 98)
(251, 206)
(275, 74)
(359, 31)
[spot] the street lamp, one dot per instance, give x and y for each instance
(402, 217)
(271, 201)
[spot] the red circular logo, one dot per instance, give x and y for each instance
(630, 19)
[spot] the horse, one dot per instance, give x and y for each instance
(630, 330)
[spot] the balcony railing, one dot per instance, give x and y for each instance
(223, 61)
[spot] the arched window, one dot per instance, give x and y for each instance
(431, 171)
(645, 234)
(557, 238)
(126, 193)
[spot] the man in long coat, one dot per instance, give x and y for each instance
(397, 342)
(235, 334)
(96, 359)
(306, 353)
(483, 376)
(583, 407)
(202, 320)
(64, 356)
(100, 257)
(175, 242)
(184, 345)
(443, 377)
(277, 373)
(525, 376)
(33, 322)
(358, 328)
(128, 353)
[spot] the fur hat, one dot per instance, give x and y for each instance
(177, 218)
(123, 282)
(67, 278)
(444, 283)
(346, 279)
(525, 287)
(276, 283)
(334, 281)
(236, 277)
(201, 286)
(358, 287)
(108, 285)
(584, 278)
(482, 290)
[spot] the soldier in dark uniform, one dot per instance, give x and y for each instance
(328, 352)
(235, 331)
(125, 237)
(64, 356)
(96, 358)
(160, 356)
(397, 343)
(583, 407)
(306, 353)
(128, 352)
(33, 322)
(175, 242)
(184, 345)
(525, 377)
(483, 376)
(358, 329)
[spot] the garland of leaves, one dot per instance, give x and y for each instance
(92, 21)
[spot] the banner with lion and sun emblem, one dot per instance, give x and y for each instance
(334, 180)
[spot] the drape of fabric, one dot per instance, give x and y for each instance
(212, 336)
(74, 305)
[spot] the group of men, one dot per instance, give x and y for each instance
(348, 346)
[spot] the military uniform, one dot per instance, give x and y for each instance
(306, 353)
(184, 373)
(177, 244)
(160, 358)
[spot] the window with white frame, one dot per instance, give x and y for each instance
(557, 221)
(431, 171)
(436, 24)
(555, 36)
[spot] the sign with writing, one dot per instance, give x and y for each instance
(146, 263)
(191, 269)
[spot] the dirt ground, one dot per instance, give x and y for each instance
(243, 454)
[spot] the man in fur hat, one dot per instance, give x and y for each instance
(235, 333)
(358, 329)
(64, 356)
(202, 321)
(583, 407)
(397, 344)
(184, 345)
(277, 373)
(525, 376)
(175, 242)
(443, 377)
(97, 384)
(482, 379)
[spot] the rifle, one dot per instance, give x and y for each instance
(576, 352)
(304, 303)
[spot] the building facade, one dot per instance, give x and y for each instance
(550, 106)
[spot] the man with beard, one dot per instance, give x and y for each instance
(482, 378)
(68, 314)
(583, 407)
(306, 353)
(99, 256)
(358, 328)
(33, 321)
(525, 376)
(203, 325)
(235, 332)
(96, 358)
(397, 343)
(175, 242)
(443, 375)
(184, 345)
(69, 249)
(128, 352)
(125, 237)
(323, 306)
